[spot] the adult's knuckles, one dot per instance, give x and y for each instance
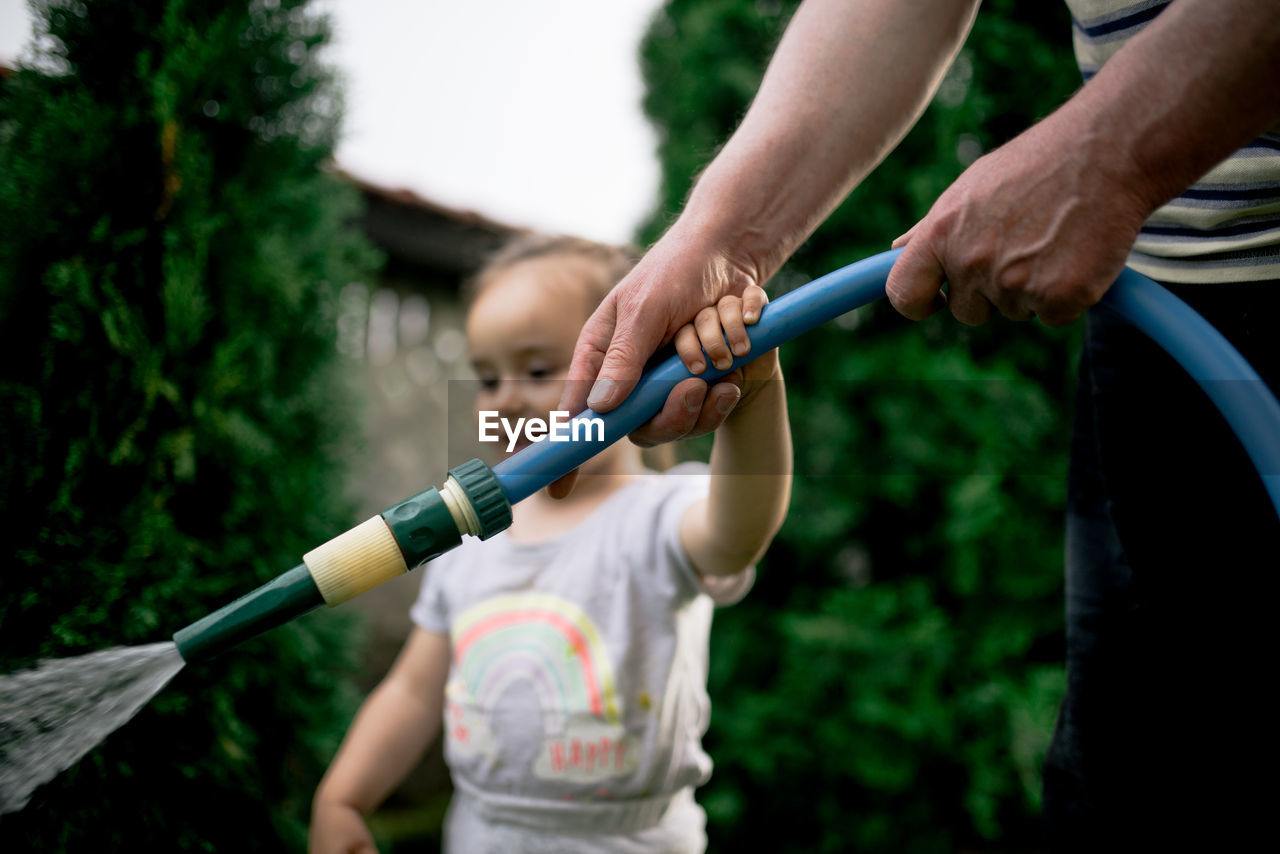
(1014, 278)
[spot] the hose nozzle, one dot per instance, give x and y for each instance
(471, 501)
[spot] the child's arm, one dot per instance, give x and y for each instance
(394, 727)
(751, 459)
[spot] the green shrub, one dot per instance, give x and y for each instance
(170, 249)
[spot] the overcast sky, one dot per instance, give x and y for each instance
(526, 112)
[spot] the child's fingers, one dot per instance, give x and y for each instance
(753, 300)
(711, 334)
(734, 329)
(690, 349)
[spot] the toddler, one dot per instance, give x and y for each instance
(565, 659)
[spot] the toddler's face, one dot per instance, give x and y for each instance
(521, 331)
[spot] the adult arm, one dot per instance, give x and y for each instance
(1043, 225)
(847, 81)
(393, 729)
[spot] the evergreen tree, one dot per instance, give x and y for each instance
(892, 682)
(170, 402)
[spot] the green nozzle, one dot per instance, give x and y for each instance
(432, 522)
(287, 596)
(423, 527)
(377, 550)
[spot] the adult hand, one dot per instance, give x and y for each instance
(675, 280)
(1039, 227)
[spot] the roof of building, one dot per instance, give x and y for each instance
(422, 233)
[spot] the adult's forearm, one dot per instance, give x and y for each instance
(847, 81)
(1197, 83)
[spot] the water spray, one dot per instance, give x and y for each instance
(477, 499)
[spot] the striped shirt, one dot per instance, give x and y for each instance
(1226, 226)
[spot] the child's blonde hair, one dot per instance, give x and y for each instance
(608, 263)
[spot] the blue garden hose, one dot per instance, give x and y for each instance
(1229, 381)
(1233, 386)
(477, 500)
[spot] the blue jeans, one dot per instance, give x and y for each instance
(1172, 556)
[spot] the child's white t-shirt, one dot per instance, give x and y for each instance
(576, 700)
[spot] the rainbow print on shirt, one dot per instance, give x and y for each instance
(552, 645)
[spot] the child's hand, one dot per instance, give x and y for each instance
(337, 828)
(721, 330)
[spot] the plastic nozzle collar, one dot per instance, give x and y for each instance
(487, 509)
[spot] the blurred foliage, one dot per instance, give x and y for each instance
(170, 253)
(892, 682)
